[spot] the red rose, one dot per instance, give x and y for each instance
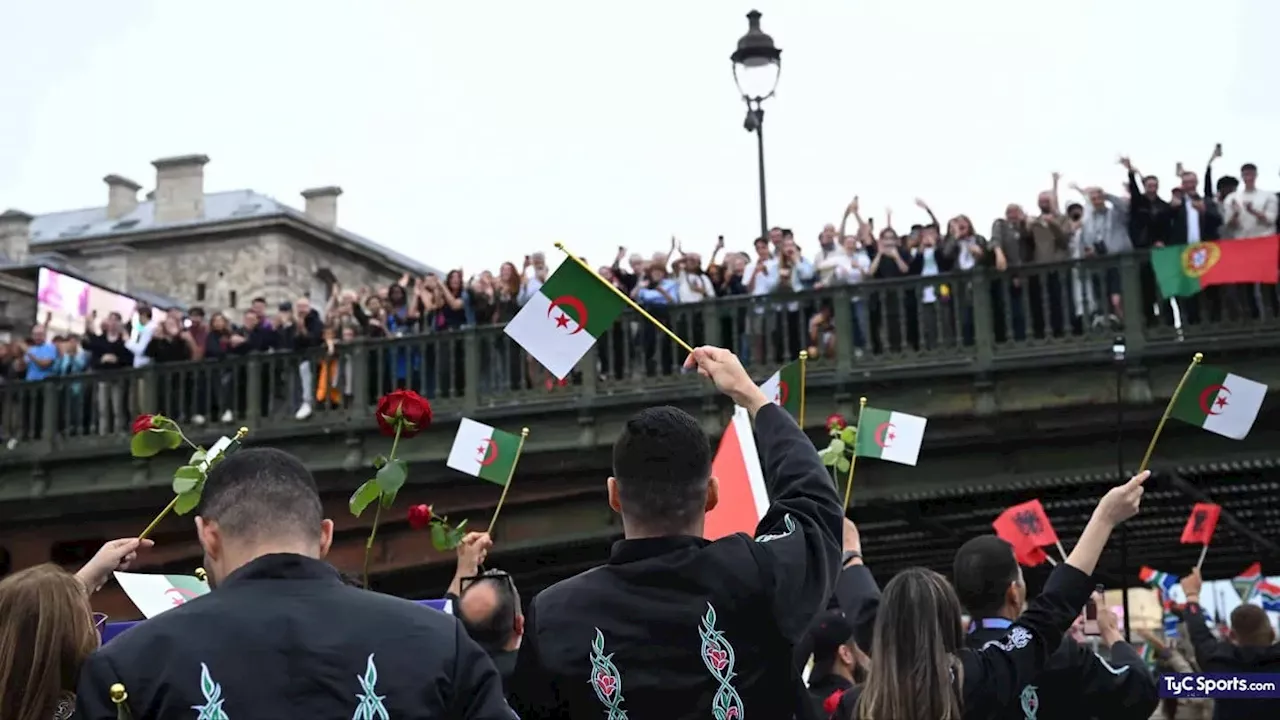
(836, 421)
(718, 658)
(419, 516)
(406, 409)
(143, 423)
(605, 682)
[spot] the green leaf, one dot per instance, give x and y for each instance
(186, 479)
(828, 458)
(836, 446)
(848, 436)
(198, 457)
(439, 538)
(455, 537)
(378, 462)
(388, 499)
(391, 476)
(363, 496)
(153, 442)
(843, 465)
(187, 502)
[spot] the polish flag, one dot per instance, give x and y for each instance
(743, 500)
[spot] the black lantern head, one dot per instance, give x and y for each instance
(757, 62)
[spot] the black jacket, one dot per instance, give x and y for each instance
(682, 627)
(1077, 684)
(995, 674)
(1149, 218)
(1217, 656)
(284, 637)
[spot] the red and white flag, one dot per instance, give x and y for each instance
(743, 500)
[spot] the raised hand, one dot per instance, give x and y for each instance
(920, 203)
(725, 370)
(1122, 502)
(115, 555)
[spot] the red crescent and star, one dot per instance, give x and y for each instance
(179, 596)
(780, 396)
(488, 452)
(574, 304)
(1216, 406)
(884, 434)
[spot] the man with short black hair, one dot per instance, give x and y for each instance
(1076, 682)
(1251, 648)
(281, 635)
(676, 626)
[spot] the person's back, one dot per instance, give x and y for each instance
(1075, 682)
(1251, 649)
(677, 626)
(281, 635)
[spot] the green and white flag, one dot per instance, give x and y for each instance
(786, 387)
(890, 435)
(483, 452)
(1219, 402)
(564, 318)
(154, 594)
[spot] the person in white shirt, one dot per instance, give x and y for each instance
(851, 266)
(1250, 212)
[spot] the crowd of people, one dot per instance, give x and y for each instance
(1035, 291)
(670, 625)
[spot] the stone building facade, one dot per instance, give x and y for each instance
(216, 250)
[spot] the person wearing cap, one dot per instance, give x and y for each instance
(838, 663)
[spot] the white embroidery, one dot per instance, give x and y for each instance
(1110, 668)
(787, 522)
(213, 700)
(1017, 638)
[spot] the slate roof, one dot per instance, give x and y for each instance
(219, 207)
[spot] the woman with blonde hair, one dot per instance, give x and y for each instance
(920, 667)
(47, 630)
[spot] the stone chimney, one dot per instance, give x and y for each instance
(322, 205)
(180, 188)
(15, 234)
(122, 196)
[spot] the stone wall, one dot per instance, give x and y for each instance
(18, 309)
(274, 265)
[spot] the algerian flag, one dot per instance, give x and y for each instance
(889, 435)
(483, 452)
(564, 318)
(1219, 402)
(784, 387)
(153, 594)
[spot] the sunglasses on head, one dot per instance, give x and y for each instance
(466, 582)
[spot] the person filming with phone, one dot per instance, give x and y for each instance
(1076, 683)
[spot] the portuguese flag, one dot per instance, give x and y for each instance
(785, 387)
(484, 452)
(564, 318)
(1219, 402)
(1184, 270)
(889, 435)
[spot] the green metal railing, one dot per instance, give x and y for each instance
(963, 323)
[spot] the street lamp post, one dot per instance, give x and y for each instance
(757, 63)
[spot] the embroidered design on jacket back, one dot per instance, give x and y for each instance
(1030, 701)
(212, 691)
(787, 522)
(606, 680)
(371, 707)
(718, 656)
(1018, 638)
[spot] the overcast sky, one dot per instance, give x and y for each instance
(465, 134)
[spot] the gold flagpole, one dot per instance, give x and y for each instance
(853, 461)
(804, 358)
(1151, 448)
(627, 299)
(119, 697)
(524, 433)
